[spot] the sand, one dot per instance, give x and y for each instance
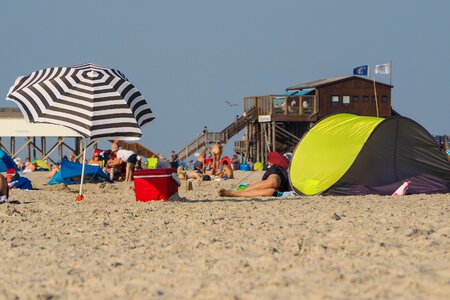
(206, 247)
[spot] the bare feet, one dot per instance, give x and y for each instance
(225, 193)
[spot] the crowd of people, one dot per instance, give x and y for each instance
(207, 166)
(120, 164)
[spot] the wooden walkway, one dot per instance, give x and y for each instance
(223, 136)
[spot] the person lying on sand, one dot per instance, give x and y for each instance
(274, 180)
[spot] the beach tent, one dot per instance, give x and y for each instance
(6, 162)
(70, 173)
(41, 165)
(345, 154)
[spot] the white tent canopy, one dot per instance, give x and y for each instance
(18, 127)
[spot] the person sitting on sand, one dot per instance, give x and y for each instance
(96, 160)
(198, 170)
(54, 170)
(113, 165)
(19, 164)
(4, 189)
(29, 166)
(275, 180)
(227, 171)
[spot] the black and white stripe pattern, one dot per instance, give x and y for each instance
(95, 101)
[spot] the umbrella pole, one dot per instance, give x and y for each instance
(80, 196)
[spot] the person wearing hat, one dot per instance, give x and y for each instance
(4, 189)
(274, 180)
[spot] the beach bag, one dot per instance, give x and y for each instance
(206, 178)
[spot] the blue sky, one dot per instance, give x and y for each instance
(189, 57)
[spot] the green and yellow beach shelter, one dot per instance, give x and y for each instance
(346, 154)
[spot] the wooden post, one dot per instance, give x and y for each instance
(60, 148)
(43, 146)
(285, 105)
(34, 147)
(261, 137)
(247, 146)
(29, 148)
(274, 141)
(12, 146)
(257, 141)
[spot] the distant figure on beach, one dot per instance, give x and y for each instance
(54, 170)
(130, 158)
(19, 164)
(174, 159)
(113, 165)
(72, 157)
(274, 180)
(4, 189)
(235, 161)
(227, 171)
(141, 162)
(96, 160)
(198, 169)
(29, 166)
(216, 150)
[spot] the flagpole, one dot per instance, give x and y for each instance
(80, 196)
(376, 98)
(390, 73)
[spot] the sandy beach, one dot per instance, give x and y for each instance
(206, 247)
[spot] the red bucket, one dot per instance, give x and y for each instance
(157, 184)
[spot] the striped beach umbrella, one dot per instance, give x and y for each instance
(95, 101)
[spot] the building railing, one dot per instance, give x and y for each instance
(304, 105)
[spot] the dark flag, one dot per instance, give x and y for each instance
(361, 70)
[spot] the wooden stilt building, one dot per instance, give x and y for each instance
(283, 119)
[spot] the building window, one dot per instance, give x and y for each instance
(384, 99)
(355, 99)
(346, 100)
(293, 105)
(308, 105)
(334, 101)
(278, 105)
(366, 98)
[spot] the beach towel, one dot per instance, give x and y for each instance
(22, 183)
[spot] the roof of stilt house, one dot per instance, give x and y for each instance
(328, 81)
